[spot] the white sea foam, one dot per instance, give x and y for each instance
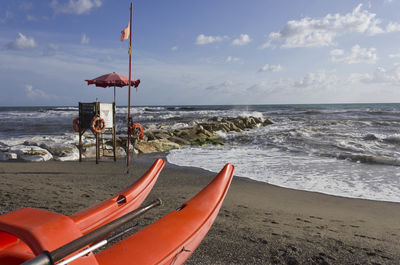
(179, 125)
(319, 174)
(62, 147)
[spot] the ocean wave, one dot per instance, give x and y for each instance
(395, 140)
(186, 108)
(66, 108)
(370, 137)
(368, 159)
(278, 167)
(155, 109)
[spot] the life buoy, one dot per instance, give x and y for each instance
(98, 125)
(75, 124)
(136, 130)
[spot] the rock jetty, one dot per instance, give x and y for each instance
(201, 133)
(157, 138)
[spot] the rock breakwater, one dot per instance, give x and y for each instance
(201, 133)
(157, 138)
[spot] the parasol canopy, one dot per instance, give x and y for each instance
(113, 80)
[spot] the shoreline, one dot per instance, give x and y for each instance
(148, 159)
(258, 223)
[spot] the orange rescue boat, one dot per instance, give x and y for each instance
(91, 218)
(170, 240)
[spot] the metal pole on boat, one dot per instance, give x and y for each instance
(50, 258)
(94, 247)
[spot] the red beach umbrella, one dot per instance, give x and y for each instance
(112, 80)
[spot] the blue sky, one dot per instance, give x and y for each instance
(201, 52)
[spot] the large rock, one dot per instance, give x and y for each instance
(147, 147)
(178, 140)
(4, 147)
(240, 123)
(165, 145)
(161, 135)
(267, 122)
(89, 152)
(109, 152)
(150, 135)
(30, 153)
(8, 156)
(62, 152)
(182, 133)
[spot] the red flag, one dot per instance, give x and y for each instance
(125, 33)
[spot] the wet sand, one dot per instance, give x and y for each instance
(258, 223)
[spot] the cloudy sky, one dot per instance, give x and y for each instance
(201, 52)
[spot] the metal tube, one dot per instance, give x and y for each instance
(83, 253)
(94, 247)
(42, 259)
(100, 233)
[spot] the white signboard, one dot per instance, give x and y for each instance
(106, 112)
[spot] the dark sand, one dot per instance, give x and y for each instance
(258, 223)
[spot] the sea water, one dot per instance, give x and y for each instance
(349, 150)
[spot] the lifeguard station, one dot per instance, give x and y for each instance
(99, 118)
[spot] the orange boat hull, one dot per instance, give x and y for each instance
(13, 250)
(173, 238)
(170, 240)
(109, 210)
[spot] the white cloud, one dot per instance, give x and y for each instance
(318, 32)
(268, 88)
(379, 76)
(357, 55)
(32, 93)
(394, 55)
(227, 84)
(318, 80)
(306, 89)
(242, 40)
(174, 48)
(85, 39)
(230, 59)
(203, 39)
(392, 27)
(7, 17)
(267, 44)
(337, 52)
(22, 42)
(270, 68)
(51, 49)
(77, 7)
(31, 18)
(35, 19)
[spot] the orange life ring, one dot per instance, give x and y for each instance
(136, 130)
(98, 125)
(75, 124)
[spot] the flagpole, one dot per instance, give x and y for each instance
(129, 96)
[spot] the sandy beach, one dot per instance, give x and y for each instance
(258, 223)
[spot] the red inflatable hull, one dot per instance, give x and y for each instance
(130, 199)
(173, 238)
(13, 250)
(170, 240)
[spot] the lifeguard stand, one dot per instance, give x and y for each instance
(88, 112)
